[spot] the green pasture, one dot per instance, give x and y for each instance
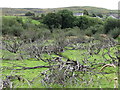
(24, 19)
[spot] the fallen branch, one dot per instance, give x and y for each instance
(110, 65)
(24, 68)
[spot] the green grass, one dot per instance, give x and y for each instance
(24, 19)
(29, 74)
(9, 16)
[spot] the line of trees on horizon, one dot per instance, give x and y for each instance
(62, 19)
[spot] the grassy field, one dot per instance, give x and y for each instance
(24, 19)
(100, 80)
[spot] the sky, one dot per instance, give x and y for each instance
(108, 4)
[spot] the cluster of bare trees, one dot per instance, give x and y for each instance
(60, 71)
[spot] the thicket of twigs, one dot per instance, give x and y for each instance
(62, 70)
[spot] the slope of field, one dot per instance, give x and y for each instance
(75, 9)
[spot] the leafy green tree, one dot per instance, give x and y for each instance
(52, 20)
(83, 22)
(29, 14)
(93, 15)
(19, 20)
(110, 24)
(67, 18)
(95, 21)
(12, 26)
(100, 15)
(85, 12)
(42, 15)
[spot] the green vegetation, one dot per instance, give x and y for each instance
(59, 50)
(52, 20)
(61, 19)
(85, 12)
(111, 24)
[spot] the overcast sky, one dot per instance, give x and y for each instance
(109, 4)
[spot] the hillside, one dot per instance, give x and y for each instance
(75, 9)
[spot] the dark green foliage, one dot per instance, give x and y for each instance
(93, 15)
(52, 20)
(63, 19)
(85, 12)
(42, 15)
(12, 26)
(67, 18)
(19, 20)
(100, 15)
(29, 14)
(110, 24)
(83, 22)
(95, 21)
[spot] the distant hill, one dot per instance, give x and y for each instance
(74, 9)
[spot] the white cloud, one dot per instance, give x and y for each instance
(109, 4)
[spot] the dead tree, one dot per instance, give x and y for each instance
(9, 81)
(12, 44)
